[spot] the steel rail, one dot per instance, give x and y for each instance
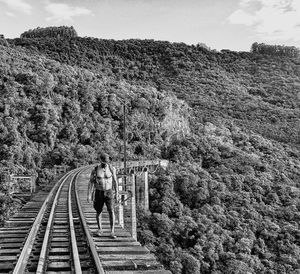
(24, 256)
(43, 254)
(75, 252)
(90, 240)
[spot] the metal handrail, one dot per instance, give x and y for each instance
(130, 164)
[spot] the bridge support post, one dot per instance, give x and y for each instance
(133, 207)
(121, 203)
(146, 190)
(121, 212)
(10, 184)
(32, 184)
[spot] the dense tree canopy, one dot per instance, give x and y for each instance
(275, 50)
(259, 92)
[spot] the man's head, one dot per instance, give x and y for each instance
(104, 158)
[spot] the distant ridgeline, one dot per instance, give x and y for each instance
(50, 32)
(277, 50)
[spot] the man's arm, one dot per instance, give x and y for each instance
(90, 186)
(115, 182)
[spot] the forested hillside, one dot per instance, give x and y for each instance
(260, 92)
(228, 122)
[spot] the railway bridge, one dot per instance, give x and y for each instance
(55, 231)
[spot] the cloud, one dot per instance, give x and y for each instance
(242, 17)
(270, 19)
(63, 12)
(18, 5)
(10, 14)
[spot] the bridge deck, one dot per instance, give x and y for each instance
(121, 255)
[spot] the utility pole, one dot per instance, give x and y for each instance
(125, 152)
(123, 102)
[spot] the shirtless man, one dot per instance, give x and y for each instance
(102, 185)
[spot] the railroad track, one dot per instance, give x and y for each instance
(53, 233)
(47, 237)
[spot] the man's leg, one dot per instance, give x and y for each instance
(110, 208)
(98, 218)
(98, 205)
(112, 221)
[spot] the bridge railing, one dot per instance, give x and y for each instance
(22, 183)
(134, 190)
(137, 165)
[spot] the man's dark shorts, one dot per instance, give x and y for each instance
(102, 197)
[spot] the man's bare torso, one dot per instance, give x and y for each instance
(108, 178)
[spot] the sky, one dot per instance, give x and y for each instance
(220, 24)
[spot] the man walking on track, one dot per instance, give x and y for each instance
(102, 186)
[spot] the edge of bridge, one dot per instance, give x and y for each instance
(125, 254)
